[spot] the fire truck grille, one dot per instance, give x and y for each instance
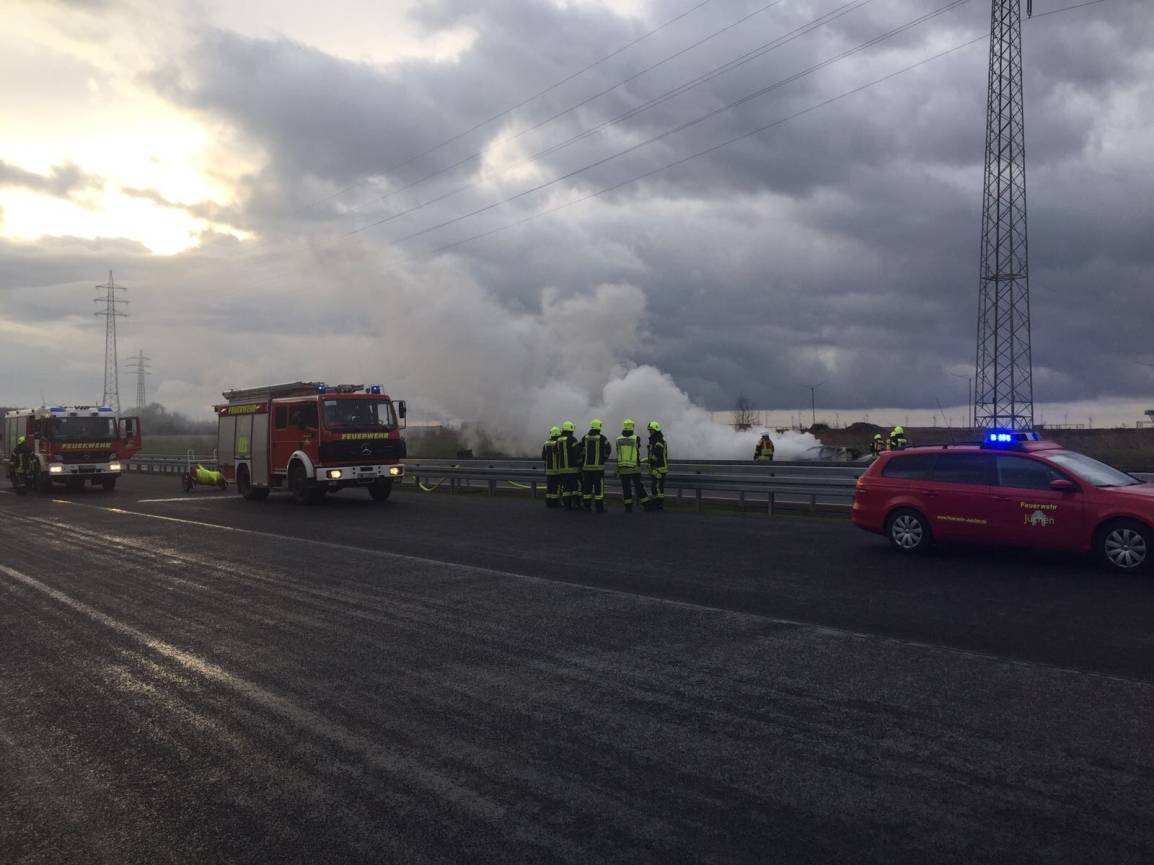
(360, 451)
(88, 456)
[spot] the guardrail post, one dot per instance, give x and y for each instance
(533, 490)
(813, 502)
(771, 503)
(699, 498)
(492, 488)
(741, 498)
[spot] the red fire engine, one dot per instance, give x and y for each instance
(72, 445)
(311, 439)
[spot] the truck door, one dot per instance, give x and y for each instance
(1029, 513)
(259, 449)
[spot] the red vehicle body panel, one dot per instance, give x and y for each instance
(1007, 500)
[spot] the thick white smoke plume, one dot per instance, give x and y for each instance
(468, 358)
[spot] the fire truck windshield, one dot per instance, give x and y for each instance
(360, 414)
(83, 428)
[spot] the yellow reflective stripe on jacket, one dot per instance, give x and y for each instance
(594, 452)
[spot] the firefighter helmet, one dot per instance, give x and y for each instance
(595, 424)
(567, 426)
(654, 426)
(21, 440)
(627, 424)
(554, 431)
(899, 430)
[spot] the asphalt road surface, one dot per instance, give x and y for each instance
(458, 679)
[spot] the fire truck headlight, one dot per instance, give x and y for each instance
(114, 467)
(56, 470)
(335, 474)
(394, 471)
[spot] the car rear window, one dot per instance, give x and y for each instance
(912, 467)
(962, 469)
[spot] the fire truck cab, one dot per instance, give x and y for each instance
(311, 439)
(73, 445)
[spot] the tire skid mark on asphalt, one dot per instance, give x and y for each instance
(308, 720)
(600, 675)
(325, 785)
(796, 623)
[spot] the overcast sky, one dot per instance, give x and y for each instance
(218, 156)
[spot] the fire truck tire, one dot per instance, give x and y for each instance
(303, 492)
(108, 484)
(381, 490)
(246, 489)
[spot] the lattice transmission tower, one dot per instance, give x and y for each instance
(1004, 387)
(110, 313)
(139, 367)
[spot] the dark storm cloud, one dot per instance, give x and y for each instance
(838, 247)
(63, 181)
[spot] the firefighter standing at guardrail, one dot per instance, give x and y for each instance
(552, 469)
(877, 445)
(629, 466)
(595, 450)
(569, 466)
(657, 454)
(898, 440)
(763, 452)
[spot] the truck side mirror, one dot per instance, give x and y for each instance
(402, 409)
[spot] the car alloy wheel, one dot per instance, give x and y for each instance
(1125, 548)
(907, 532)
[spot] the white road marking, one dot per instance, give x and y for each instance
(372, 752)
(184, 499)
(546, 581)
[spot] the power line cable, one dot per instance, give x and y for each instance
(713, 148)
(509, 138)
(723, 144)
(1068, 8)
(741, 60)
(537, 95)
(688, 124)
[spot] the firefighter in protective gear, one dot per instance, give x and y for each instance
(629, 466)
(549, 456)
(595, 450)
(877, 445)
(763, 451)
(569, 467)
(657, 455)
(898, 440)
(19, 464)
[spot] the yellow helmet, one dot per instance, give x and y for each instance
(595, 424)
(899, 430)
(567, 426)
(627, 424)
(21, 440)
(554, 432)
(655, 426)
(877, 435)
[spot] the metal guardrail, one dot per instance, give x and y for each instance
(767, 486)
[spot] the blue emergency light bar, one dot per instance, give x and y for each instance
(1009, 438)
(321, 388)
(376, 388)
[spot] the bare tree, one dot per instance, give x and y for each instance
(744, 417)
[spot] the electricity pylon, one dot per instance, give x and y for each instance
(110, 313)
(1004, 388)
(139, 367)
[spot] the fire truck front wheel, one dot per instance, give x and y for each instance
(246, 489)
(303, 491)
(381, 490)
(108, 484)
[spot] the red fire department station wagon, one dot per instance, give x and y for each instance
(311, 439)
(1012, 489)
